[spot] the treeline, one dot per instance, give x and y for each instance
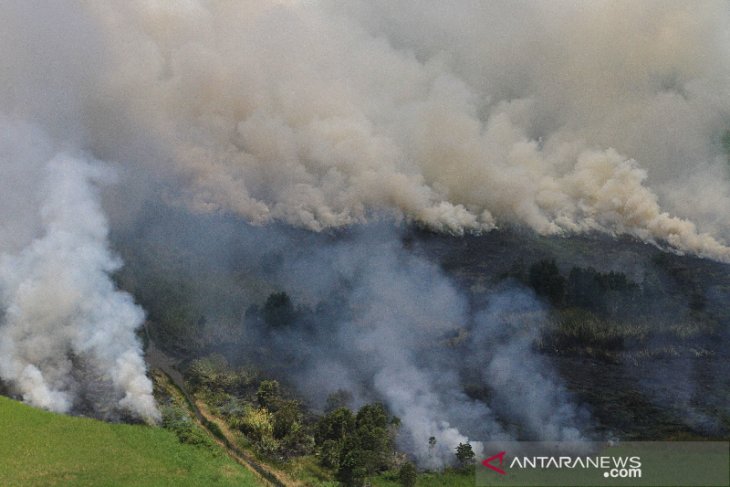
(606, 293)
(352, 445)
(669, 286)
(603, 314)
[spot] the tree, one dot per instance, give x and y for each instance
(584, 288)
(464, 454)
(358, 446)
(332, 431)
(286, 417)
(546, 281)
(278, 310)
(352, 471)
(337, 425)
(408, 475)
(269, 394)
(431, 442)
(338, 399)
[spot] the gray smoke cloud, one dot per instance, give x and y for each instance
(524, 384)
(562, 118)
(388, 325)
(60, 307)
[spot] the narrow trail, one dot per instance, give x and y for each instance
(158, 359)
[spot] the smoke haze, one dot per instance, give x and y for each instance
(388, 325)
(59, 302)
(568, 117)
(324, 114)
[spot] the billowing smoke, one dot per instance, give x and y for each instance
(524, 385)
(63, 318)
(561, 118)
(463, 117)
(388, 325)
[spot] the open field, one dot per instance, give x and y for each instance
(41, 448)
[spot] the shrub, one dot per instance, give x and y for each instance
(179, 422)
(255, 423)
(407, 475)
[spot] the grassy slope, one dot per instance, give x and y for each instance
(41, 448)
(448, 478)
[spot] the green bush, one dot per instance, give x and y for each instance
(187, 431)
(358, 446)
(407, 475)
(255, 423)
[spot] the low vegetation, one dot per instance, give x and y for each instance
(39, 448)
(668, 307)
(348, 446)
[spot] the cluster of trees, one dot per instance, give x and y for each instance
(357, 446)
(606, 293)
(670, 287)
(273, 423)
(354, 445)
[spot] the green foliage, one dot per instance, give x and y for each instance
(546, 281)
(255, 423)
(447, 478)
(297, 442)
(337, 425)
(212, 373)
(294, 437)
(338, 399)
(352, 471)
(269, 394)
(278, 434)
(465, 454)
(407, 475)
(40, 448)
(332, 431)
(586, 288)
(187, 431)
(357, 446)
(575, 331)
(330, 452)
(286, 417)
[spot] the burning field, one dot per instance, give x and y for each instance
(493, 220)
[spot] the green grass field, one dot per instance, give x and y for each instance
(449, 478)
(40, 448)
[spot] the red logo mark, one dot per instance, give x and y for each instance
(488, 462)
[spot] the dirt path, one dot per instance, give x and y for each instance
(272, 476)
(160, 360)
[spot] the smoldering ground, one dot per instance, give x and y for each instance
(572, 118)
(364, 315)
(458, 354)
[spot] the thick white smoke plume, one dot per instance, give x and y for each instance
(62, 316)
(383, 330)
(567, 117)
